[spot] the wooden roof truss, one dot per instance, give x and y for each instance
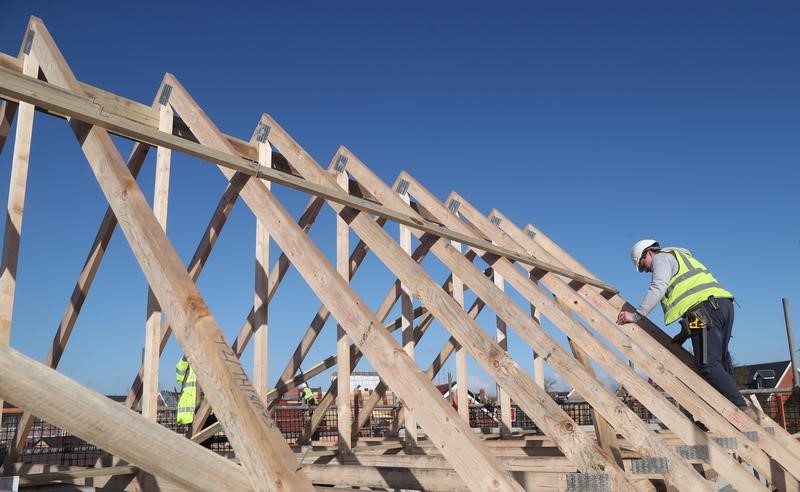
(554, 284)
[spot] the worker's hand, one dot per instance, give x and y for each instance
(625, 317)
(680, 338)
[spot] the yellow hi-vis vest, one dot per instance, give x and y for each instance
(185, 377)
(691, 285)
(308, 395)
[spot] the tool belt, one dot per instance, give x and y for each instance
(696, 318)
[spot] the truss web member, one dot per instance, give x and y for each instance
(689, 292)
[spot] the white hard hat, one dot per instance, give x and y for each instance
(638, 250)
(302, 385)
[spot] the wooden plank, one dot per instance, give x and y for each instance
(630, 425)
(110, 482)
(463, 449)
(407, 317)
(44, 478)
(153, 324)
(540, 464)
(79, 294)
(99, 420)
(660, 366)
(12, 233)
(260, 301)
(534, 401)
(68, 102)
(259, 445)
(462, 373)
(343, 395)
(502, 339)
(433, 480)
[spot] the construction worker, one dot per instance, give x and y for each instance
(307, 395)
(187, 403)
(187, 381)
(690, 294)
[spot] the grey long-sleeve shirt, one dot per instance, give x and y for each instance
(665, 266)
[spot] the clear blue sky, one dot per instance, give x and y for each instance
(600, 123)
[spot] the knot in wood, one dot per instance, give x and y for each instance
(197, 306)
(496, 364)
(569, 427)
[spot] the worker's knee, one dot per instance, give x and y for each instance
(709, 371)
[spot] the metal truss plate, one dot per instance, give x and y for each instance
(770, 430)
(9, 483)
(649, 466)
(530, 233)
(726, 442)
(402, 187)
(495, 220)
(453, 205)
(29, 42)
(693, 452)
(341, 163)
(752, 435)
(588, 482)
(165, 93)
(262, 132)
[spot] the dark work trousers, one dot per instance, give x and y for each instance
(718, 368)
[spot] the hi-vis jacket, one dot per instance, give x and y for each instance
(691, 285)
(308, 395)
(185, 377)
